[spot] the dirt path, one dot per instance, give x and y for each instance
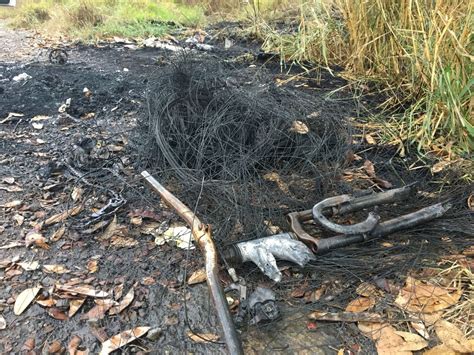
(17, 44)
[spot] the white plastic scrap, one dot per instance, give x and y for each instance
(65, 106)
(152, 42)
(21, 77)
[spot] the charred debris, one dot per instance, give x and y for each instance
(258, 161)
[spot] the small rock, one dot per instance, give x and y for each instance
(154, 334)
(62, 304)
(47, 281)
(11, 300)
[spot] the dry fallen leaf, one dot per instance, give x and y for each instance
(82, 290)
(98, 311)
(37, 125)
(439, 166)
(49, 302)
(203, 337)
(58, 234)
(19, 219)
(413, 342)
(367, 289)
(55, 347)
(73, 345)
(417, 296)
(9, 180)
(56, 313)
(136, 220)
(55, 268)
(111, 230)
(12, 188)
(24, 299)
(420, 329)
(385, 337)
(62, 216)
(95, 227)
(118, 290)
(29, 265)
(299, 127)
(127, 300)
(369, 139)
(148, 280)
(197, 277)
(315, 295)
(440, 350)
(180, 236)
(13, 204)
(119, 340)
(453, 337)
(29, 345)
(470, 202)
(154, 228)
(76, 193)
(92, 266)
(360, 304)
(75, 305)
(35, 238)
(122, 242)
(369, 168)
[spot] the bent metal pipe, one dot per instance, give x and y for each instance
(203, 238)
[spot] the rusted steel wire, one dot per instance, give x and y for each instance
(203, 238)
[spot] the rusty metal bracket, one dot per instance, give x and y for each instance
(369, 229)
(203, 238)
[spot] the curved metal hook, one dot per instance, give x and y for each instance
(359, 228)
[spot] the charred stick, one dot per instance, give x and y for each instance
(202, 236)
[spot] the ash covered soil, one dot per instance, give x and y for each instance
(76, 213)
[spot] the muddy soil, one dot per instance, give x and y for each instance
(70, 129)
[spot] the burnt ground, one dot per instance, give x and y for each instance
(51, 161)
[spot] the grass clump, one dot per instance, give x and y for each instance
(90, 19)
(32, 14)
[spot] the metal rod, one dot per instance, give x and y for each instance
(202, 236)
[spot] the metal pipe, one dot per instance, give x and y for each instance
(355, 204)
(203, 238)
(385, 228)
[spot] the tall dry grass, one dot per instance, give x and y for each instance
(419, 51)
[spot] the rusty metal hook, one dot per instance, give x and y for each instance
(359, 228)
